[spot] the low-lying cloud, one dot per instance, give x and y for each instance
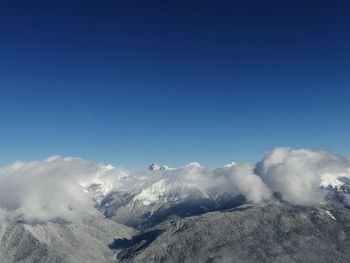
(297, 174)
(56, 187)
(45, 190)
(247, 183)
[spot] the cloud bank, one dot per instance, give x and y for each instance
(297, 174)
(45, 190)
(56, 187)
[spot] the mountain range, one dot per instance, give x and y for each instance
(233, 213)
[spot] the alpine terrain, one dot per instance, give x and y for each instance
(292, 206)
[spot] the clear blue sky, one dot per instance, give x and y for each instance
(132, 83)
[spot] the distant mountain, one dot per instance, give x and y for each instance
(143, 199)
(156, 167)
(146, 198)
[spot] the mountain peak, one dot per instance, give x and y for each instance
(156, 167)
(193, 164)
(230, 164)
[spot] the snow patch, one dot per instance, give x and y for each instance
(330, 214)
(194, 164)
(331, 180)
(230, 164)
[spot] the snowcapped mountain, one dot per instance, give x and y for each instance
(335, 181)
(135, 198)
(71, 210)
(162, 191)
(156, 167)
(230, 164)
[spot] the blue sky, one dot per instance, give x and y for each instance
(172, 81)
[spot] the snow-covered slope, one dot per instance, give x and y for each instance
(134, 197)
(268, 233)
(335, 181)
(85, 239)
(71, 210)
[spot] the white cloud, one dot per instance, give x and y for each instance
(45, 189)
(297, 174)
(54, 188)
(243, 178)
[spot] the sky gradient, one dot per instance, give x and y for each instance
(136, 82)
